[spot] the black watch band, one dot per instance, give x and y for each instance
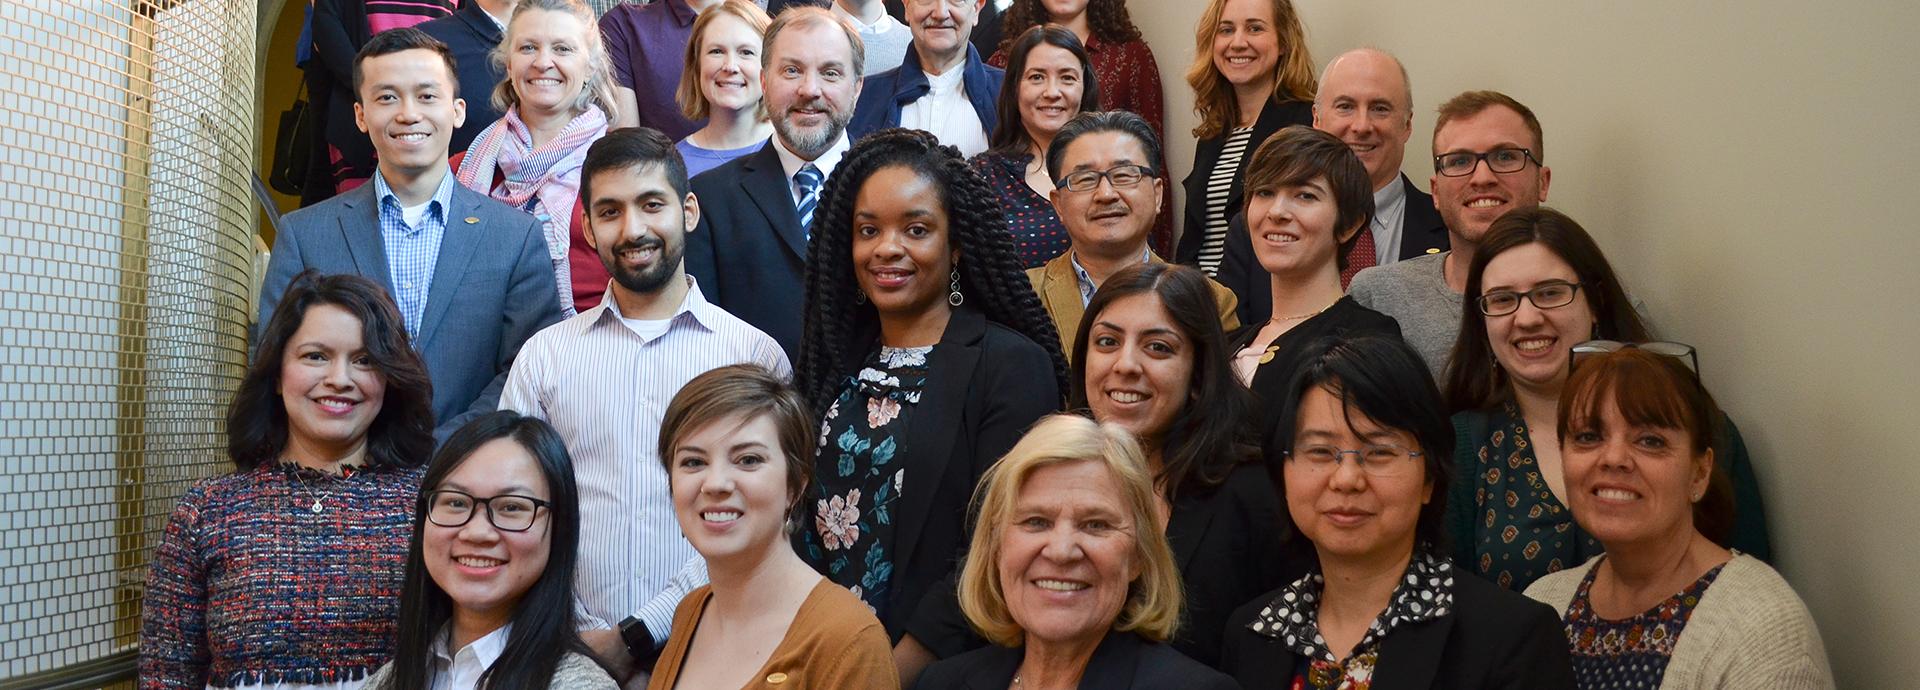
(640, 644)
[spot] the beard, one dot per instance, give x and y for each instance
(810, 143)
(651, 279)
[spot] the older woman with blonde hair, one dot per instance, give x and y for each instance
(1070, 575)
(1251, 76)
(556, 99)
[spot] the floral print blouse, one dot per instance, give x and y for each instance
(1425, 593)
(857, 481)
(1628, 654)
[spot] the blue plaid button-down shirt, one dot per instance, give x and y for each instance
(412, 251)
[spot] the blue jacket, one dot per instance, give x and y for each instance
(883, 95)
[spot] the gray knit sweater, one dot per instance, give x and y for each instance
(1414, 292)
(1749, 631)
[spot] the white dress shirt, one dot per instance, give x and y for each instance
(947, 114)
(462, 670)
(604, 386)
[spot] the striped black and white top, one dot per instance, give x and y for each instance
(1213, 243)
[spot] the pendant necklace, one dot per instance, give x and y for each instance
(306, 488)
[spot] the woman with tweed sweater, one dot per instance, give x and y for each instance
(1664, 607)
(286, 572)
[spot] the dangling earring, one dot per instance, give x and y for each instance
(859, 296)
(954, 297)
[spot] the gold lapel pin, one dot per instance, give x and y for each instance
(472, 220)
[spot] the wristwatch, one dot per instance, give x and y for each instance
(640, 644)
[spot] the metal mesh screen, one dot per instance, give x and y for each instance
(126, 141)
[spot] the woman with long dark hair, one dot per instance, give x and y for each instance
(927, 353)
(1150, 357)
(488, 601)
(1537, 286)
(1251, 76)
(1049, 82)
(326, 432)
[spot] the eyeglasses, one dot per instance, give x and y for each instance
(1122, 177)
(1680, 351)
(1375, 459)
(1498, 160)
(1549, 295)
(507, 512)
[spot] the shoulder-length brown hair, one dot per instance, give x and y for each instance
(1213, 98)
(1154, 598)
(693, 104)
(401, 434)
(1474, 380)
(1010, 136)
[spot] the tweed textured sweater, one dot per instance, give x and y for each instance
(1749, 631)
(250, 585)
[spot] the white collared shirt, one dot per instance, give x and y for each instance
(604, 384)
(791, 162)
(1389, 221)
(462, 670)
(946, 113)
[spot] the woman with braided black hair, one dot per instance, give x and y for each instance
(928, 354)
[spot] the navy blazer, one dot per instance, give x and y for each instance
(883, 95)
(470, 34)
(1274, 116)
(1123, 661)
(492, 288)
(749, 252)
(1492, 638)
(1422, 232)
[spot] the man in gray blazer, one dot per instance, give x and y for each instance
(470, 275)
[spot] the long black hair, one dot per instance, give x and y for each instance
(992, 277)
(543, 629)
(1010, 136)
(1387, 382)
(401, 435)
(1210, 435)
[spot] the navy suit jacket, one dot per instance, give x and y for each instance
(470, 34)
(492, 288)
(1422, 232)
(883, 95)
(749, 252)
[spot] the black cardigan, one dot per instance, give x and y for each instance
(1206, 154)
(1123, 661)
(1492, 638)
(1346, 318)
(986, 384)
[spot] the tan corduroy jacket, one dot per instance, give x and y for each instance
(1059, 292)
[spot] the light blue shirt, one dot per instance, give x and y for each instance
(412, 249)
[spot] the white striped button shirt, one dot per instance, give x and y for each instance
(604, 387)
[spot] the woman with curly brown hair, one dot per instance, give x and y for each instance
(928, 354)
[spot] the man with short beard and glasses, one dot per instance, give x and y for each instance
(750, 249)
(604, 377)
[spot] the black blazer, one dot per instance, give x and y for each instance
(1273, 118)
(748, 217)
(986, 384)
(1492, 638)
(1346, 318)
(1227, 544)
(1123, 661)
(1422, 232)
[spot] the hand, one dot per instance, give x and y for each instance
(611, 650)
(910, 658)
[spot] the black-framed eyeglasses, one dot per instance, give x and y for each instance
(1502, 161)
(1122, 177)
(1375, 459)
(507, 512)
(1667, 348)
(1549, 295)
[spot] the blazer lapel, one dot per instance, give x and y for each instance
(1422, 230)
(1410, 656)
(766, 183)
(457, 243)
(1061, 292)
(949, 376)
(360, 228)
(1113, 663)
(995, 668)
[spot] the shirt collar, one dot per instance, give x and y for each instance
(791, 162)
(1388, 197)
(486, 650)
(1085, 279)
(694, 306)
(1424, 593)
(442, 196)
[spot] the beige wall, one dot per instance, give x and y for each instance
(1747, 166)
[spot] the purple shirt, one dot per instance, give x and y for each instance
(647, 45)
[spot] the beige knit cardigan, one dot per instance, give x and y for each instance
(1749, 631)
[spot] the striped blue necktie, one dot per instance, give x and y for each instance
(809, 179)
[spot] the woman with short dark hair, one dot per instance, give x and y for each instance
(326, 432)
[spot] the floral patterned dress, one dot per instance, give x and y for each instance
(1629, 654)
(857, 476)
